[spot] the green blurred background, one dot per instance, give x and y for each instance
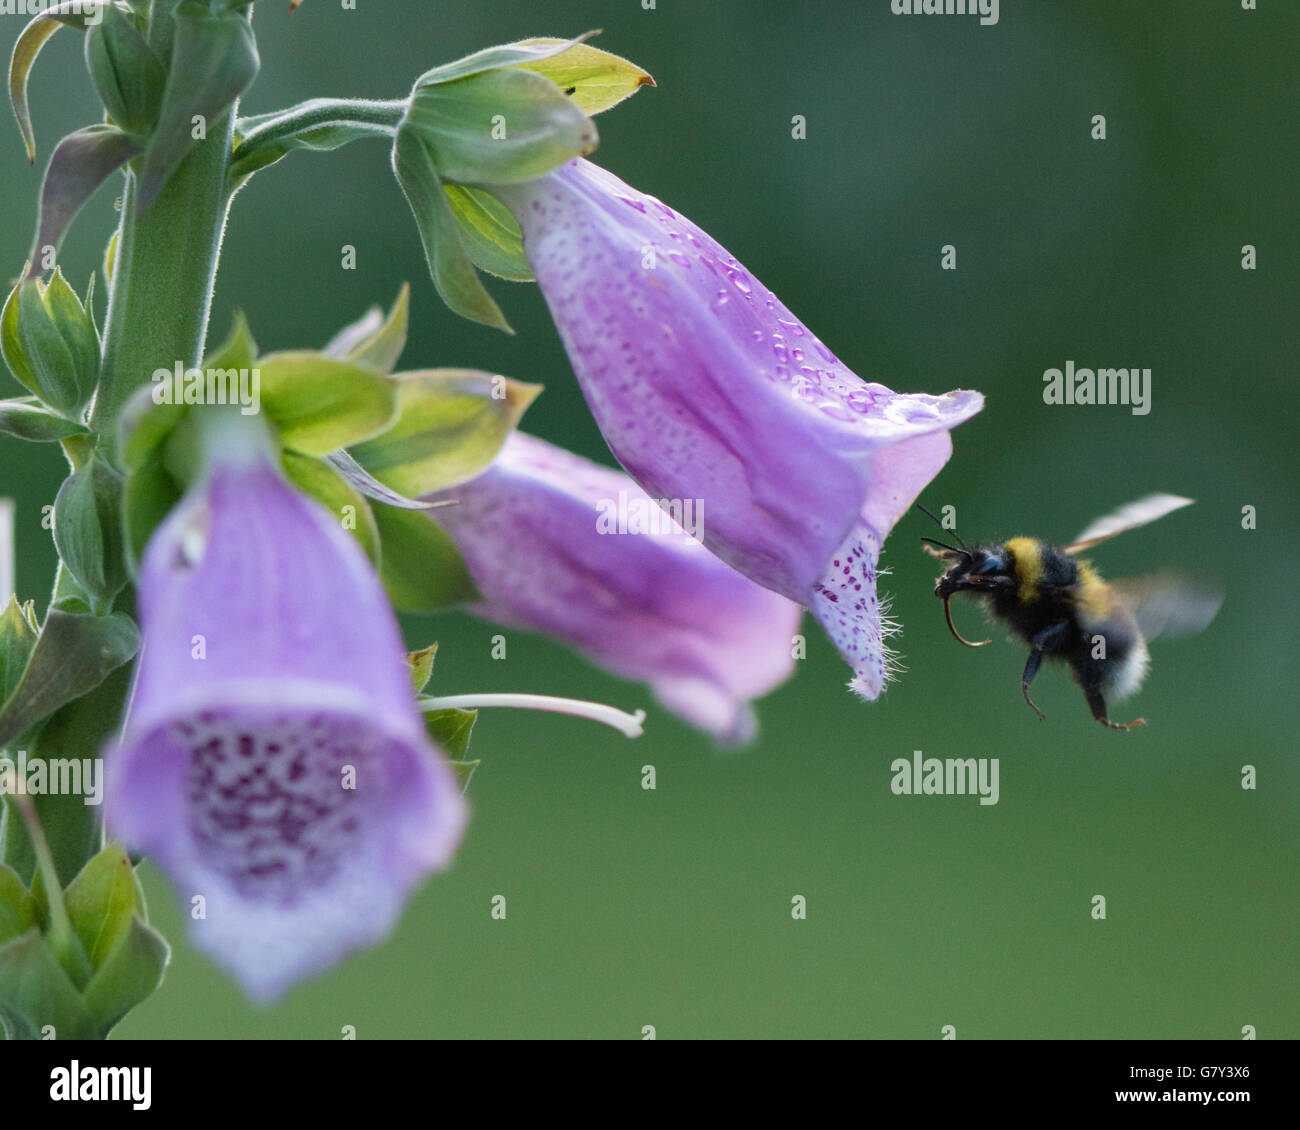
(672, 908)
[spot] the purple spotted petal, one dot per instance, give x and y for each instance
(540, 534)
(706, 386)
(275, 764)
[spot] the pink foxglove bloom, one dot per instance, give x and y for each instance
(275, 764)
(559, 545)
(706, 386)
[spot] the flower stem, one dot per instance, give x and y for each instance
(629, 724)
(162, 284)
(383, 116)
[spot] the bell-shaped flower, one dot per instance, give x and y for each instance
(274, 762)
(560, 545)
(706, 386)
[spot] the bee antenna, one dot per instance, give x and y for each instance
(964, 547)
(945, 545)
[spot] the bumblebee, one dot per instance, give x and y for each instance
(1059, 604)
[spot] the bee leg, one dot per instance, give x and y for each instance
(1098, 705)
(1049, 639)
(1032, 664)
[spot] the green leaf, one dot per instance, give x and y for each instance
(421, 664)
(127, 74)
(317, 479)
(35, 993)
(498, 127)
(88, 530)
(420, 566)
(491, 236)
(17, 639)
(18, 912)
(594, 79)
(30, 41)
(213, 60)
(450, 266)
(27, 419)
(80, 163)
(72, 828)
(74, 653)
(450, 728)
(382, 349)
(130, 974)
(320, 403)
(450, 425)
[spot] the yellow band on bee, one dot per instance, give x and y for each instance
(1027, 555)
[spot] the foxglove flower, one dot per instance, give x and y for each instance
(274, 763)
(706, 386)
(559, 545)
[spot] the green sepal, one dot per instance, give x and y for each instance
(36, 994)
(27, 419)
(18, 912)
(318, 480)
(420, 566)
(150, 415)
(421, 665)
(523, 52)
(321, 404)
(464, 770)
(130, 974)
(88, 529)
(596, 80)
(149, 497)
(238, 351)
(450, 728)
(491, 236)
(75, 652)
(450, 425)
(213, 60)
(18, 634)
(499, 127)
(450, 266)
(102, 900)
(383, 348)
(127, 74)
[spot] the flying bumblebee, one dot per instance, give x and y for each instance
(1062, 608)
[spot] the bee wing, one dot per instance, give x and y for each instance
(1169, 603)
(1128, 517)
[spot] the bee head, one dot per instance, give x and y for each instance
(979, 570)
